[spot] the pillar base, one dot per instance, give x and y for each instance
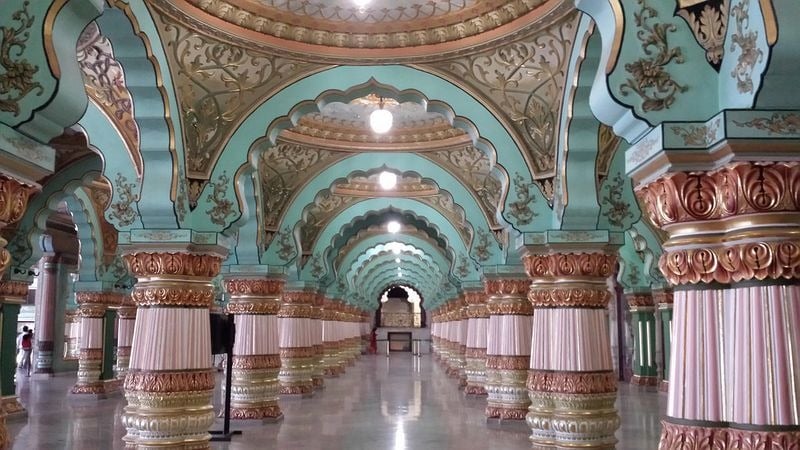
(474, 390)
(639, 380)
(89, 391)
(502, 413)
(266, 414)
(12, 408)
(303, 391)
(318, 383)
(691, 435)
(663, 386)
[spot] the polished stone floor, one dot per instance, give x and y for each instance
(393, 403)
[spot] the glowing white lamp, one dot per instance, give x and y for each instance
(397, 260)
(387, 180)
(380, 120)
(362, 3)
(393, 227)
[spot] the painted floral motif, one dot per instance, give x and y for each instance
(17, 80)
(122, 211)
(316, 267)
(222, 206)
(778, 123)
(286, 250)
(482, 251)
(615, 207)
(697, 135)
(521, 208)
(650, 79)
(745, 39)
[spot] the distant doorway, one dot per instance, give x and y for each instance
(399, 342)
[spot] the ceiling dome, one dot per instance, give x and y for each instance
(380, 29)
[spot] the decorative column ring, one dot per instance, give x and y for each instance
(478, 321)
(296, 343)
(571, 382)
(170, 381)
(255, 303)
(92, 308)
(508, 348)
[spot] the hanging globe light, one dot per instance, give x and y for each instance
(387, 180)
(393, 226)
(381, 119)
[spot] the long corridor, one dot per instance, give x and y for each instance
(396, 403)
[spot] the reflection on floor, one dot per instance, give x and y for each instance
(393, 403)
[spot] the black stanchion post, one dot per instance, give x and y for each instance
(226, 433)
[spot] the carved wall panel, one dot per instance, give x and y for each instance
(217, 85)
(523, 82)
(474, 169)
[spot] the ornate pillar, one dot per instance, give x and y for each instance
(46, 296)
(733, 254)
(12, 295)
(126, 319)
(643, 324)
(366, 331)
(330, 342)
(296, 343)
(13, 203)
(477, 323)
(460, 342)
(318, 371)
(435, 326)
(571, 382)
(92, 308)
(353, 335)
(255, 303)
(508, 348)
(170, 381)
(664, 300)
(341, 337)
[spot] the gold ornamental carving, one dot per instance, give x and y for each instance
(572, 382)
(298, 352)
(499, 362)
(98, 298)
(506, 286)
(523, 82)
(90, 353)
(13, 289)
(553, 296)
(732, 263)
(167, 382)
(514, 306)
(92, 311)
(781, 124)
(256, 413)
(369, 28)
(640, 300)
(263, 306)
(735, 190)
(18, 77)
(663, 297)
(145, 295)
(14, 197)
(708, 21)
(298, 297)
(649, 78)
(256, 362)
(567, 265)
(242, 287)
(146, 264)
(745, 38)
(679, 436)
(217, 85)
